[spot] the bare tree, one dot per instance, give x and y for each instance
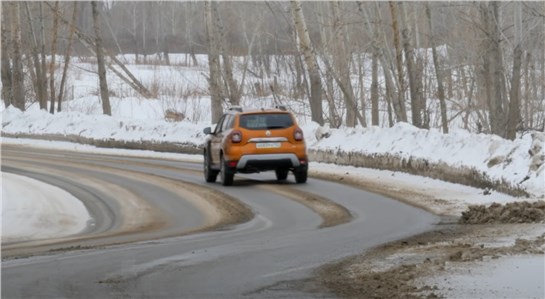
(514, 95)
(68, 54)
(216, 98)
(399, 61)
(342, 60)
(311, 62)
(17, 80)
(374, 88)
(493, 66)
(379, 42)
(126, 75)
(41, 76)
(416, 107)
(438, 74)
(231, 85)
(52, 65)
(104, 94)
(6, 75)
(44, 99)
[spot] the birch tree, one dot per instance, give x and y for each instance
(342, 60)
(67, 54)
(231, 85)
(44, 99)
(379, 41)
(416, 108)
(5, 67)
(311, 62)
(52, 64)
(41, 77)
(104, 93)
(514, 95)
(213, 64)
(17, 79)
(493, 66)
(399, 60)
(438, 73)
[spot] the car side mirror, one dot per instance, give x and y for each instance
(207, 130)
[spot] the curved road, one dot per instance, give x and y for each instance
(156, 234)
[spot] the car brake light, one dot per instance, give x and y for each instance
(233, 163)
(298, 134)
(236, 136)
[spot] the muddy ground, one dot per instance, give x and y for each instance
(397, 269)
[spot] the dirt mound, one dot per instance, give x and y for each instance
(514, 212)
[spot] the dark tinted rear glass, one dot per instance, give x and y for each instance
(268, 121)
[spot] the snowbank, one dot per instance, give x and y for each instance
(33, 210)
(518, 163)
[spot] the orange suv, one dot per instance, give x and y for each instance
(255, 141)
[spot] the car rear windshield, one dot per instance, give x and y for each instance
(269, 121)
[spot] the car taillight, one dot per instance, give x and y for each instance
(298, 134)
(236, 136)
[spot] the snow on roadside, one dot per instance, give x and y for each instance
(33, 210)
(498, 158)
(519, 163)
(447, 198)
(98, 126)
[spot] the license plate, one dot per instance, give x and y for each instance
(267, 145)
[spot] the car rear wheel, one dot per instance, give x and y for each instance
(210, 174)
(226, 175)
(300, 175)
(281, 174)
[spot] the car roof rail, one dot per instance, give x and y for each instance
(281, 107)
(235, 108)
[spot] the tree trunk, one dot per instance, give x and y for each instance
(5, 68)
(344, 90)
(45, 99)
(90, 44)
(416, 109)
(230, 83)
(361, 74)
(311, 62)
(438, 74)
(52, 65)
(67, 55)
(493, 67)
(104, 94)
(379, 43)
(17, 80)
(374, 90)
(40, 76)
(342, 62)
(213, 64)
(133, 33)
(514, 95)
(399, 61)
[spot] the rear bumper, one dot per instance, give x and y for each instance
(268, 161)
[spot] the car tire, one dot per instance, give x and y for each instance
(300, 175)
(227, 176)
(210, 174)
(281, 174)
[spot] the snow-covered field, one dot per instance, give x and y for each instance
(518, 163)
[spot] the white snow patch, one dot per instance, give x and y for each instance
(33, 210)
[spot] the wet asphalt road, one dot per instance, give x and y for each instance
(261, 258)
